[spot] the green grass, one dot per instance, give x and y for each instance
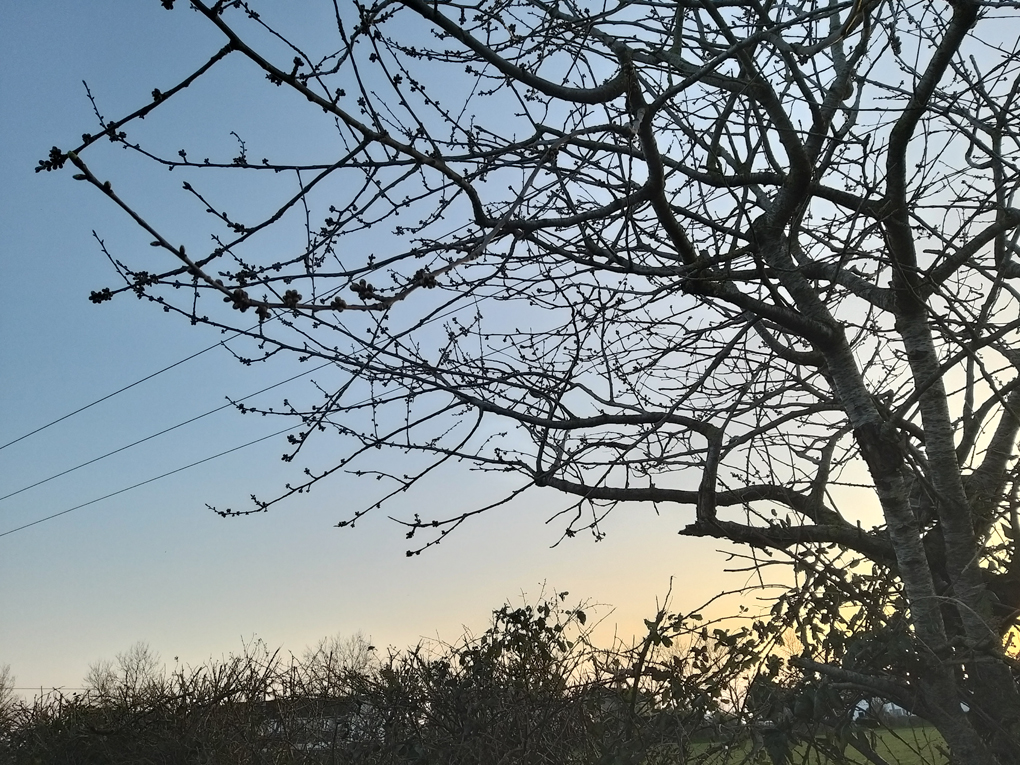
(905, 746)
(911, 746)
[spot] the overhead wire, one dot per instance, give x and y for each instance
(143, 440)
(127, 388)
(162, 432)
(132, 385)
(147, 481)
(117, 392)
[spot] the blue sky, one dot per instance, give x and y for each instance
(154, 564)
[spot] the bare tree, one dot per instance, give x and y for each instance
(135, 676)
(328, 665)
(753, 259)
(7, 696)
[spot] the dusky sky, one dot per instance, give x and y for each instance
(154, 564)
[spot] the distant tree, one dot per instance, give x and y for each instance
(7, 697)
(135, 675)
(326, 668)
(756, 260)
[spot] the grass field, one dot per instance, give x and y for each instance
(905, 746)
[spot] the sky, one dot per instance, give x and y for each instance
(154, 564)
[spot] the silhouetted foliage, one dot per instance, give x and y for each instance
(531, 689)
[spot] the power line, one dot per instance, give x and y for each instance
(132, 385)
(116, 392)
(138, 382)
(150, 480)
(160, 433)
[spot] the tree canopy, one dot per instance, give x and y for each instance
(752, 259)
